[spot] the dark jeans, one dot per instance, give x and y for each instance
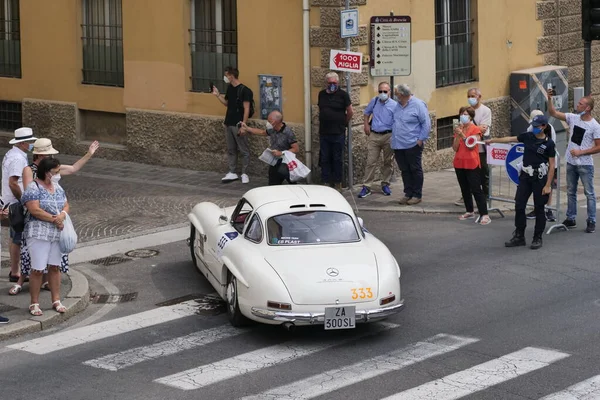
(330, 157)
(279, 173)
(485, 174)
(469, 181)
(527, 185)
(409, 163)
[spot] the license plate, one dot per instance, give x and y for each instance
(340, 317)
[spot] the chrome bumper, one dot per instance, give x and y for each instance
(319, 318)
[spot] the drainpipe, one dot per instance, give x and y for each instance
(307, 105)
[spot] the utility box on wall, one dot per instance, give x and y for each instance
(528, 92)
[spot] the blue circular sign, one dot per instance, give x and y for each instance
(514, 162)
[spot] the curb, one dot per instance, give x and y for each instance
(75, 302)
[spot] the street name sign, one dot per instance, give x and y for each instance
(340, 60)
(390, 47)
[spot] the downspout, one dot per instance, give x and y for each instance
(307, 105)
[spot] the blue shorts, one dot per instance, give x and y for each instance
(16, 236)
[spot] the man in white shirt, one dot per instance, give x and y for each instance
(584, 140)
(483, 119)
(15, 160)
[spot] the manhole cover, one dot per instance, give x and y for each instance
(97, 298)
(142, 253)
(110, 260)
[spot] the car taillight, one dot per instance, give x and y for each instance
(279, 306)
(387, 300)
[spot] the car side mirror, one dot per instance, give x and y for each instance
(223, 219)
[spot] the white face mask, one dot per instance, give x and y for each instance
(465, 119)
(55, 178)
(472, 101)
(268, 125)
(225, 79)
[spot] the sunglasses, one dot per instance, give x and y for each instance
(383, 91)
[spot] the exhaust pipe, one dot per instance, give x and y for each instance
(289, 326)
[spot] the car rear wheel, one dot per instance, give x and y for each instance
(236, 318)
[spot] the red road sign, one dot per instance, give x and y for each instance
(340, 60)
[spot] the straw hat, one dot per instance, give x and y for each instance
(43, 146)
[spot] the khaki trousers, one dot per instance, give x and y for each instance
(375, 145)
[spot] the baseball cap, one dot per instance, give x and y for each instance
(539, 120)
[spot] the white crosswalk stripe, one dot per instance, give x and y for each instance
(204, 375)
(124, 359)
(318, 385)
(585, 390)
(482, 376)
(65, 339)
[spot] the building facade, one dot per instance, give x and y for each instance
(135, 74)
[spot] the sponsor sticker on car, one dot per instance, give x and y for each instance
(225, 239)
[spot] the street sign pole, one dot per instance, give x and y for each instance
(349, 90)
(587, 67)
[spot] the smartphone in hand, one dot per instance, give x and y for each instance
(211, 87)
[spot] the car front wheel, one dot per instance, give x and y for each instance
(236, 318)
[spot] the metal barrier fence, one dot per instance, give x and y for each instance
(506, 191)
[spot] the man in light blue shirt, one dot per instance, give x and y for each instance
(378, 124)
(411, 129)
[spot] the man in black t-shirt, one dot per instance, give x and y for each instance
(536, 177)
(237, 99)
(335, 111)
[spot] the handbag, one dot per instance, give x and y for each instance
(16, 216)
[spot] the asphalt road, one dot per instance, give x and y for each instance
(482, 322)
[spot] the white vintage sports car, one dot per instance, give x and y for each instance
(294, 255)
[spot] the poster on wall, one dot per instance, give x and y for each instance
(271, 88)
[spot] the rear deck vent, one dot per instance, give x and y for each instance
(317, 205)
(298, 206)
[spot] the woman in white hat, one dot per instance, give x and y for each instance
(42, 148)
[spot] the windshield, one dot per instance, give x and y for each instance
(313, 227)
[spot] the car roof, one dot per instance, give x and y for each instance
(278, 199)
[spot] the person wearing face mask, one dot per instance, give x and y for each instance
(467, 167)
(483, 119)
(378, 124)
(237, 99)
(584, 140)
(12, 188)
(536, 177)
(47, 204)
(281, 138)
(335, 111)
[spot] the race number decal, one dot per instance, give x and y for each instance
(224, 241)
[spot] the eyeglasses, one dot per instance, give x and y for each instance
(383, 91)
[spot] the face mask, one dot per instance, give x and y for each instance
(332, 87)
(536, 130)
(55, 178)
(472, 101)
(580, 113)
(383, 96)
(225, 79)
(465, 119)
(269, 125)
(30, 148)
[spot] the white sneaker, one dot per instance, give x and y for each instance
(230, 177)
(245, 178)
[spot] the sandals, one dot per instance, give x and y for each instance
(35, 310)
(58, 307)
(466, 216)
(485, 220)
(45, 286)
(15, 290)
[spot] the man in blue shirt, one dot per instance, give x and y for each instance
(378, 124)
(411, 129)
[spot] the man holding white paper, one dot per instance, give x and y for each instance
(281, 138)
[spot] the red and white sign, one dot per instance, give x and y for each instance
(349, 61)
(496, 154)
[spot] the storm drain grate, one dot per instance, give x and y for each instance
(6, 308)
(97, 298)
(110, 260)
(208, 304)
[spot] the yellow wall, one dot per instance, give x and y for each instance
(156, 56)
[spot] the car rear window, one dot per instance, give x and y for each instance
(312, 227)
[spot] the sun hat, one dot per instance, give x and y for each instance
(22, 135)
(43, 146)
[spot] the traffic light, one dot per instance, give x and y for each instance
(590, 20)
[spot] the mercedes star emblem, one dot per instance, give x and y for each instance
(332, 272)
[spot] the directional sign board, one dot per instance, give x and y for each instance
(349, 61)
(390, 46)
(349, 23)
(514, 162)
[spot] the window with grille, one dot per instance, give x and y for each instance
(11, 116)
(445, 132)
(10, 39)
(453, 42)
(213, 42)
(102, 39)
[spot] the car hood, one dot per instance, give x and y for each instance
(324, 274)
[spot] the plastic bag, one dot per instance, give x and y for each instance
(68, 236)
(297, 169)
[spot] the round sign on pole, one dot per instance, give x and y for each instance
(513, 159)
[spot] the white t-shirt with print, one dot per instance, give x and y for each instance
(581, 137)
(15, 160)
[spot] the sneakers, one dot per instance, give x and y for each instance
(385, 189)
(518, 239)
(570, 223)
(591, 227)
(459, 202)
(531, 215)
(537, 243)
(3, 320)
(230, 177)
(404, 200)
(245, 178)
(364, 192)
(413, 201)
(550, 216)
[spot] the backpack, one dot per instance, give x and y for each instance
(241, 103)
